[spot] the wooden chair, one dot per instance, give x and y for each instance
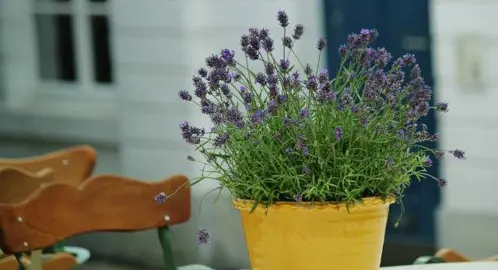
(447, 255)
(19, 177)
(102, 203)
(16, 185)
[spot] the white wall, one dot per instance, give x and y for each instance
(465, 51)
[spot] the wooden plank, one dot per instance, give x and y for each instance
(17, 184)
(72, 165)
(102, 203)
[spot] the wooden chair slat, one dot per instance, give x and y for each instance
(102, 203)
(71, 165)
(16, 184)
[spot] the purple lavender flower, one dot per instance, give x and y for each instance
(261, 78)
(244, 42)
(433, 137)
(296, 80)
(323, 76)
(202, 72)
(264, 33)
(190, 134)
(304, 113)
(228, 56)
(284, 65)
(442, 182)
(298, 198)
(442, 107)
(402, 133)
(252, 53)
(254, 32)
(338, 133)
(270, 70)
(298, 31)
(277, 136)
(282, 18)
(343, 50)
(308, 70)
(215, 61)
(234, 116)
(326, 96)
(272, 80)
(203, 236)
(428, 162)
(225, 90)
(272, 106)
(247, 97)
(439, 154)
(200, 87)
(287, 42)
(312, 83)
(267, 44)
(405, 60)
(369, 35)
(320, 44)
(288, 121)
(217, 118)
(458, 153)
(160, 198)
(185, 95)
(220, 140)
(258, 116)
(208, 107)
(304, 149)
(234, 76)
(382, 57)
(281, 99)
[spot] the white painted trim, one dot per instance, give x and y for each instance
(82, 33)
(100, 128)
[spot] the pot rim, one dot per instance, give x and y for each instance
(247, 205)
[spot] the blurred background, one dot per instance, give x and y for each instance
(107, 72)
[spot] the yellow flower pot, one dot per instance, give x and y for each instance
(308, 236)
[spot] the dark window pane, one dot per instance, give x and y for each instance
(56, 50)
(101, 49)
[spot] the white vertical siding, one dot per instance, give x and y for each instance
(466, 67)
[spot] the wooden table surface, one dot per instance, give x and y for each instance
(448, 266)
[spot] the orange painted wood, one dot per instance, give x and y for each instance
(57, 261)
(449, 255)
(72, 165)
(17, 184)
(102, 203)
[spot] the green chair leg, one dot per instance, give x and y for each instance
(59, 247)
(20, 265)
(165, 240)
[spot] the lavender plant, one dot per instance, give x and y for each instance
(291, 133)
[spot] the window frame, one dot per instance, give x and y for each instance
(38, 108)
